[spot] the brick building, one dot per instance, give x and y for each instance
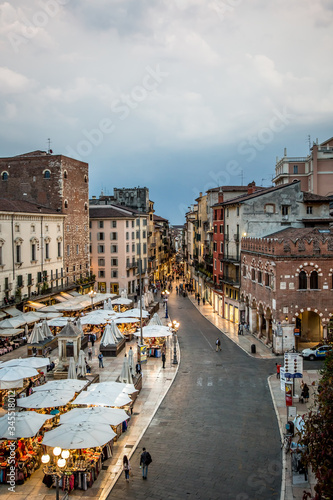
(287, 285)
(59, 183)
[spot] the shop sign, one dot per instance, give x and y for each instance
(142, 353)
(297, 332)
(293, 365)
(289, 393)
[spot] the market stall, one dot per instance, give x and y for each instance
(154, 337)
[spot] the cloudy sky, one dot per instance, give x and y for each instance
(176, 95)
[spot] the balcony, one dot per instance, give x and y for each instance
(230, 280)
(232, 259)
(131, 265)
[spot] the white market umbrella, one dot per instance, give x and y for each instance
(81, 365)
(34, 362)
(116, 332)
(154, 331)
(155, 320)
(125, 374)
(78, 436)
(109, 337)
(94, 414)
(49, 309)
(131, 363)
(139, 305)
(65, 384)
(11, 373)
(36, 335)
(124, 294)
(95, 398)
(120, 321)
(110, 304)
(11, 323)
(133, 313)
(60, 322)
(25, 424)
(121, 301)
(71, 369)
(105, 305)
(97, 317)
(112, 387)
(46, 330)
(26, 330)
(79, 324)
(46, 399)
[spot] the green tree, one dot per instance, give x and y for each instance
(318, 435)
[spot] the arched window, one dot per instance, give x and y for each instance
(65, 174)
(47, 174)
(86, 206)
(302, 281)
(66, 204)
(4, 176)
(85, 178)
(314, 280)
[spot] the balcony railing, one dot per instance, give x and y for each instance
(131, 265)
(234, 281)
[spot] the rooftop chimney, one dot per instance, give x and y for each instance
(251, 187)
(285, 151)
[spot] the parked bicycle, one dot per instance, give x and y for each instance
(286, 442)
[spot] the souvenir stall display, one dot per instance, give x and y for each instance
(28, 385)
(28, 454)
(128, 326)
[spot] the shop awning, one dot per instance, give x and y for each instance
(11, 332)
(78, 436)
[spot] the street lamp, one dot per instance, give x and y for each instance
(60, 463)
(166, 293)
(174, 325)
(92, 294)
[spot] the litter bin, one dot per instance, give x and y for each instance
(253, 348)
(290, 428)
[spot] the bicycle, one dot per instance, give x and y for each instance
(286, 442)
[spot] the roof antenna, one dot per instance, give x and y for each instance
(49, 150)
(309, 141)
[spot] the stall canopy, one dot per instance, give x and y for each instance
(61, 385)
(78, 436)
(110, 416)
(155, 320)
(116, 332)
(154, 331)
(11, 332)
(120, 321)
(97, 317)
(35, 362)
(121, 301)
(47, 399)
(12, 373)
(125, 374)
(25, 424)
(36, 335)
(60, 322)
(113, 387)
(133, 313)
(12, 323)
(95, 398)
(108, 337)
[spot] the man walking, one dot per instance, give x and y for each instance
(100, 360)
(163, 357)
(145, 460)
(218, 344)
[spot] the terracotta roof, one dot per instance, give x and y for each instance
(157, 218)
(242, 198)
(25, 206)
(110, 212)
(314, 197)
(294, 233)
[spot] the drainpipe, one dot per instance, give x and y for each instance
(13, 247)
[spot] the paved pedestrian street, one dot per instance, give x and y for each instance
(215, 435)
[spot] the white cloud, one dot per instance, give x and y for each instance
(12, 82)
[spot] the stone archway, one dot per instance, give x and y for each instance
(311, 326)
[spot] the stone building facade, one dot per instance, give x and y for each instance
(287, 286)
(59, 183)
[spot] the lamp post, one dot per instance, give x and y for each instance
(166, 293)
(92, 294)
(60, 463)
(174, 325)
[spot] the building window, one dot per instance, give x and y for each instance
(144, 234)
(237, 211)
(114, 223)
(33, 252)
(101, 262)
(114, 236)
(127, 248)
(127, 223)
(85, 206)
(114, 273)
(214, 246)
(144, 248)
(268, 279)
(18, 254)
(302, 281)
(17, 228)
(101, 224)
(1, 262)
(47, 174)
(285, 209)
(114, 248)
(295, 169)
(215, 228)
(100, 236)
(33, 228)
(221, 228)
(59, 249)
(47, 250)
(221, 266)
(227, 212)
(65, 174)
(85, 179)
(260, 277)
(114, 262)
(101, 273)
(309, 210)
(132, 223)
(68, 250)
(221, 247)
(244, 271)
(133, 247)
(127, 235)
(66, 204)
(100, 248)
(314, 280)
(144, 222)
(4, 176)
(253, 274)
(77, 249)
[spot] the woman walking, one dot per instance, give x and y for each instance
(126, 467)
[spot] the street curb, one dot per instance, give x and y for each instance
(105, 494)
(284, 461)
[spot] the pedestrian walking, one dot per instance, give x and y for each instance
(278, 368)
(198, 300)
(90, 353)
(203, 301)
(176, 289)
(145, 460)
(126, 467)
(100, 360)
(218, 344)
(163, 359)
(138, 368)
(305, 393)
